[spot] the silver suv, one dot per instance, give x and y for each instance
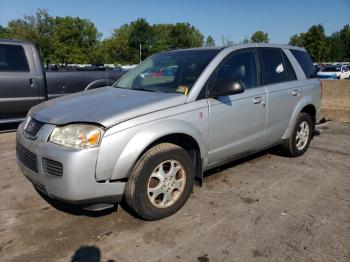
(158, 128)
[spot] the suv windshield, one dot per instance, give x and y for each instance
(171, 72)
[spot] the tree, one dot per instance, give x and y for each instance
(344, 35)
(118, 45)
(336, 48)
(36, 28)
(162, 36)
(210, 41)
(315, 43)
(297, 40)
(184, 35)
(124, 45)
(140, 32)
(59, 39)
(3, 32)
(260, 37)
(74, 40)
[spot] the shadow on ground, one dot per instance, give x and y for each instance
(88, 254)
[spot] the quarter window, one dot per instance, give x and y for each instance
(239, 66)
(305, 62)
(13, 59)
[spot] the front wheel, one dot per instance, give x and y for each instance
(161, 182)
(300, 138)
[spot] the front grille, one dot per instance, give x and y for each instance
(52, 167)
(32, 128)
(27, 158)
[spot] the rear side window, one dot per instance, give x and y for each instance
(272, 68)
(13, 59)
(305, 62)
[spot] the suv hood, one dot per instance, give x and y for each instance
(107, 106)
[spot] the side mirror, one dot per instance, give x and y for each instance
(226, 88)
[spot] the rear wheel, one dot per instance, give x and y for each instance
(300, 138)
(161, 182)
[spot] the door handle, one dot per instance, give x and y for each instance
(257, 100)
(296, 92)
(32, 82)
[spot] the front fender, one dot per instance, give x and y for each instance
(120, 151)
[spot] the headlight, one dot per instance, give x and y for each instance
(79, 136)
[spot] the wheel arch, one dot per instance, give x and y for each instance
(306, 105)
(311, 110)
(185, 141)
(138, 141)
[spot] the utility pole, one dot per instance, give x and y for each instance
(140, 53)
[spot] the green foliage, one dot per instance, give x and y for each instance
(315, 43)
(3, 32)
(210, 41)
(75, 40)
(336, 47)
(297, 40)
(118, 45)
(140, 33)
(60, 39)
(37, 28)
(124, 45)
(183, 35)
(260, 37)
(345, 39)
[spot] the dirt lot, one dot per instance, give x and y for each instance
(265, 208)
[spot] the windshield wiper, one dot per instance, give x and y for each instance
(143, 89)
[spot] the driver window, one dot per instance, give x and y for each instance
(241, 67)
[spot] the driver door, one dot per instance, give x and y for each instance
(237, 122)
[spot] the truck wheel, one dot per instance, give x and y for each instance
(161, 182)
(300, 138)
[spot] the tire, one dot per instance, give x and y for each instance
(147, 180)
(292, 146)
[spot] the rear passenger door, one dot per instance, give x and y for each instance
(283, 90)
(236, 122)
(19, 88)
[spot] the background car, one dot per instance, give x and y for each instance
(334, 72)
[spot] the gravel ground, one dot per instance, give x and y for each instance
(263, 208)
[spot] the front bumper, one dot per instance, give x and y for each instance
(77, 183)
